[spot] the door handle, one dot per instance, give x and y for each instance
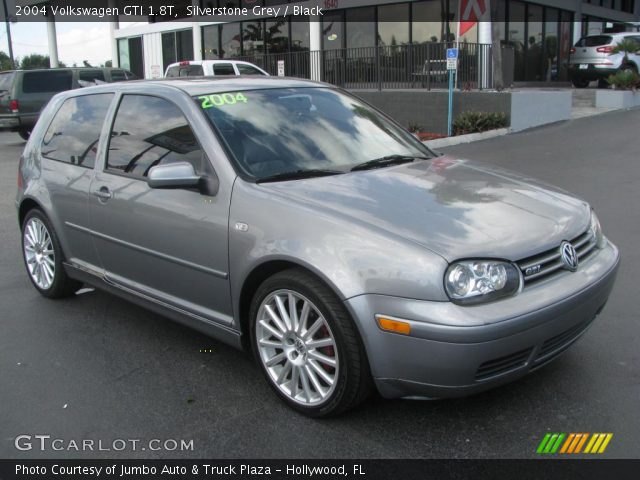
(103, 193)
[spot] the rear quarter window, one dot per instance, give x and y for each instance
(6, 81)
(74, 132)
(248, 70)
(594, 41)
(91, 75)
(47, 82)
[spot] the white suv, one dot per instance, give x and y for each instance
(212, 68)
(592, 58)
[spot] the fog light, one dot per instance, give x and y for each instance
(393, 325)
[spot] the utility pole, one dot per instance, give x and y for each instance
(8, 24)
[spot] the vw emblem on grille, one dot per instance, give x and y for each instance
(569, 256)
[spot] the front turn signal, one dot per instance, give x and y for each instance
(393, 325)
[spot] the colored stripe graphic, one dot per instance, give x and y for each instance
(598, 443)
(572, 443)
(550, 443)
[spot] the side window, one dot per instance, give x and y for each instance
(49, 81)
(75, 130)
(173, 72)
(91, 75)
(150, 131)
(118, 76)
(130, 75)
(248, 70)
(223, 69)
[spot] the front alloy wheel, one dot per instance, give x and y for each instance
(307, 344)
(297, 347)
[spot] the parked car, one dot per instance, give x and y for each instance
(591, 58)
(290, 218)
(212, 68)
(24, 93)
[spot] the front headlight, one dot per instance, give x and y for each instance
(596, 231)
(475, 281)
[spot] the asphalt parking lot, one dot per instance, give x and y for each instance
(98, 367)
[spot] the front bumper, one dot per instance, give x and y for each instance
(455, 350)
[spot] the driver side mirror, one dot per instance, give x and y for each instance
(173, 175)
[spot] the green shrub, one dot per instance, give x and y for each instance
(624, 80)
(415, 127)
(473, 122)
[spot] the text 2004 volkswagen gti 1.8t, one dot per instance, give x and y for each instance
(290, 218)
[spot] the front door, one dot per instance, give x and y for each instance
(169, 245)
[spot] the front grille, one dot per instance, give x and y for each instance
(558, 344)
(504, 364)
(544, 264)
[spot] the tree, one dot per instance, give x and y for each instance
(35, 60)
(108, 64)
(5, 62)
(496, 47)
(86, 64)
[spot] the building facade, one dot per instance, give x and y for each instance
(540, 33)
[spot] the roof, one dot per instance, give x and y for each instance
(207, 85)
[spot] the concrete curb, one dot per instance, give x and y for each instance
(471, 137)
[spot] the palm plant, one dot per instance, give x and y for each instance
(627, 78)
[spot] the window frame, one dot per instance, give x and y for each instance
(112, 122)
(107, 120)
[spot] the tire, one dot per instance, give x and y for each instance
(320, 389)
(602, 83)
(24, 134)
(580, 83)
(43, 257)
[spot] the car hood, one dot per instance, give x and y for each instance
(454, 207)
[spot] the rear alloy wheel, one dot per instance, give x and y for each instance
(307, 345)
(43, 257)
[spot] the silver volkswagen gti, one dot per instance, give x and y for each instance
(290, 218)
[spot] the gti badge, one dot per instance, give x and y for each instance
(533, 270)
(569, 256)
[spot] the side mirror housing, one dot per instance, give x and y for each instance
(173, 175)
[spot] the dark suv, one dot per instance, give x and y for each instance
(24, 93)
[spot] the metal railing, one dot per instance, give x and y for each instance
(385, 67)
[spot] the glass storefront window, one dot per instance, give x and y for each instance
(252, 38)
(300, 36)
(333, 31)
(123, 54)
(566, 41)
(276, 34)
(534, 50)
(551, 44)
(230, 42)
(393, 24)
(211, 42)
(427, 23)
(516, 37)
(361, 27)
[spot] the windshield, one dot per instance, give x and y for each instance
(276, 131)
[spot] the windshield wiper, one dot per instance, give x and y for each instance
(298, 175)
(387, 161)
